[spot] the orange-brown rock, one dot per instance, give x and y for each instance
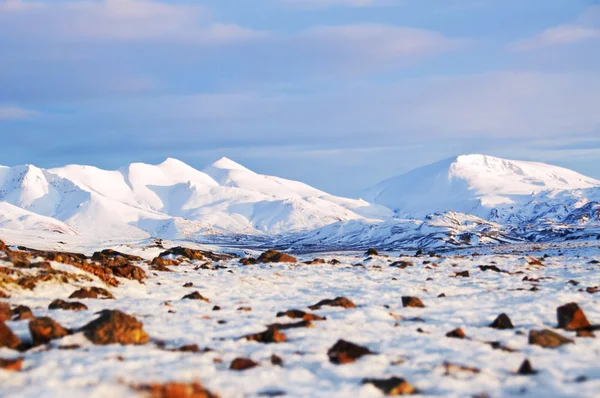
(344, 352)
(273, 256)
(163, 262)
(129, 271)
(22, 313)
(571, 317)
(408, 301)
(115, 327)
(547, 338)
(315, 261)
(7, 338)
(175, 390)
(242, 364)
(336, 302)
(45, 329)
(298, 314)
(502, 322)
(293, 325)
(461, 274)
(110, 253)
(183, 252)
(13, 365)
(456, 333)
(59, 304)
(248, 261)
(270, 335)
(91, 292)
(392, 386)
(5, 312)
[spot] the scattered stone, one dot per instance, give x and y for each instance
(7, 338)
(59, 304)
(22, 313)
(248, 261)
(195, 296)
(441, 295)
(592, 290)
(344, 352)
(115, 327)
(573, 282)
(334, 261)
(163, 262)
(12, 365)
(336, 302)
(571, 317)
(534, 261)
(245, 309)
(276, 360)
(496, 345)
(502, 322)
(242, 364)
(183, 252)
(456, 333)
(298, 314)
(402, 264)
(490, 268)
(526, 369)
(372, 252)
(91, 292)
(408, 301)
(461, 274)
(271, 335)
(392, 386)
(216, 308)
(315, 261)
(547, 338)
(175, 390)
(453, 368)
(189, 284)
(5, 312)
(284, 326)
(585, 333)
(45, 329)
(273, 256)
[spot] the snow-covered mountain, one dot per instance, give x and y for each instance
(172, 200)
(506, 191)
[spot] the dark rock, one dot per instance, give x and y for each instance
(242, 364)
(59, 304)
(284, 326)
(490, 268)
(248, 261)
(372, 252)
(189, 284)
(276, 360)
(462, 274)
(195, 296)
(273, 256)
(271, 335)
(91, 292)
(502, 322)
(336, 302)
(408, 301)
(115, 327)
(183, 252)
(298, 314)
(526, 369)
(456, 333)
(392, 386)
(571, 317)
(344, 352)
(45, 329)
(22, 313)
(11, 365)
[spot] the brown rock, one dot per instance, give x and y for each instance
(571, 317)
(271, 335)
(245, 309)
(454, 368)
(334, 261)
(115, 327)
(392, 386)
(13, 365)
(195, 296)
(129, 271)
(336, 302)
(59, 304)
(585, 333)
(547, 338)
(284, 326)
(344, 352)
(5, 312)
(242, 364)
(188, 284)
(408, 301)
(110, 253)
(183, 252)
(7, 338)
(298, 314)
(276, 360)
(91, 292)
(175, 390)
(526, 369)
(461, 274)
(163, 262)
(22, 313)
(45, 329)
(502, 322)
(315, 261)
(248, 261)
(456, 333)
(372, 252)
(273, 256)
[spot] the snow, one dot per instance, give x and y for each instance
(471, 303)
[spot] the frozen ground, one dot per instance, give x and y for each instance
(379, 322)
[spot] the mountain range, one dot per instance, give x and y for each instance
(464, 201)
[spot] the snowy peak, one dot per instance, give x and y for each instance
(228, 164)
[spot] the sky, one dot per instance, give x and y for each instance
(339, 94)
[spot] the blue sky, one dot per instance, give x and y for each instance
(337, 93)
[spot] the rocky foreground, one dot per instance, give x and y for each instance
(183, 322)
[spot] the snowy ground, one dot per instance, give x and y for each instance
(379, 322)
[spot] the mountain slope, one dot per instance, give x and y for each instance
(485, 186)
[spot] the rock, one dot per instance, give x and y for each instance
(490, 268)
(163, 262)
(271, 335)
(5, 312)
(334, 261)
(245, 309)
(130, 271)
(526, 369)
(188, 284)
(408, 301)
(453, 368)
(273, 256)
(461, 274)
(571, 317)
(456, 333)
(242, 364)
(441, 295)
(59, 304)
(372, 252)
(392, 386)
(115, 327)
(195, 296)
(502, 322)
(45, 329)
(183, 252)
(547, 338)
(248, 261)
(91, 292)
(336, 302)
(344, 352)
(22, 313)
(13, 365)
(284, 326)
(7, 338)
(110, 253)
(175, 390)
(276, 360)
(296, 314)
(315, 261)
(585, 333)
(402, 264)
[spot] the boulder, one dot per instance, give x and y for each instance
(336, 302)
(547, 338)
(502, 322)
(344, 352)
(408, 301)
(115, 327)
(273, 256)
(571, 317)
(45, 329)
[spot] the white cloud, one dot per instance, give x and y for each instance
(118, 20)
(12, 113)
(586, 27)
